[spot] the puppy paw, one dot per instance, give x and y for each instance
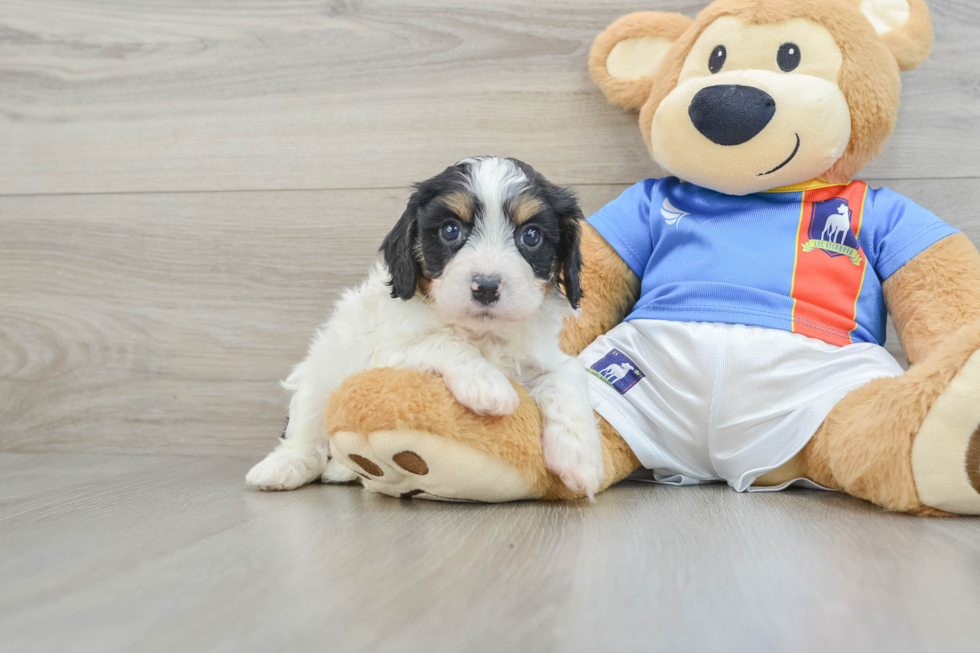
(338, 473)
(485, 391)
(575, 455)
(285, 469)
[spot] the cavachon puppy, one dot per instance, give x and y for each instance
(478, 276)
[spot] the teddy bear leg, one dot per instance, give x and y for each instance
(909, 443)
(405, 435)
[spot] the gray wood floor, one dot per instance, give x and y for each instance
(164, 553)
(185, 187)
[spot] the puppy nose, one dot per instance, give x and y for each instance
(731, 115)
(486, 290)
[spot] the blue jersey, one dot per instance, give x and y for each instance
(808, 259)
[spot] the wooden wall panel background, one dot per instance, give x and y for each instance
(162, 95)
(186, 186)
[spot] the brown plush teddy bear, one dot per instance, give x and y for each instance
(753, 284)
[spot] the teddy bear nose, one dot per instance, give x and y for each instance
(728, 114)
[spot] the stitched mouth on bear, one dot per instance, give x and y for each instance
(786, 162)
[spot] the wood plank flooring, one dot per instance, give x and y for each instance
(155, 553)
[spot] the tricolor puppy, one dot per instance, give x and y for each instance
(478, 275)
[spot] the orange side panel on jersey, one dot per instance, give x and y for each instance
(826, 289)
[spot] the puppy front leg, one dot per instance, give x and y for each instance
(474, 382)
(481, 387)
(570, 436)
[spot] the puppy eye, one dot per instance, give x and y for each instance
(531, 237)
(788, 57)
(449, 232)
(717, 59)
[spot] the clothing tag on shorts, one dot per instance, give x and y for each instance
(618, 371)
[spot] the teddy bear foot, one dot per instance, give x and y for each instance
(946, 451)
(418, 464)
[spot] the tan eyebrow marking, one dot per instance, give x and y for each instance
(526, 207)
(460, 204)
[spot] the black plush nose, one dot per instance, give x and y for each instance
(731, 115)
(486, 290)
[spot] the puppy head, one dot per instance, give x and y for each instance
(487, 239)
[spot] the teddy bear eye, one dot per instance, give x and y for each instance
(788, 57)
(717, 59)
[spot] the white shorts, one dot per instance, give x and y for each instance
(700, 402)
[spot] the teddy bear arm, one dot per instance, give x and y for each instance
(403, 433)
(609, 287)
(934, 294)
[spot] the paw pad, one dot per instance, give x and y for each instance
(973, 460)
(411, 462)
(366, 465)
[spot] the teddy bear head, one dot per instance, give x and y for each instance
(754, 95)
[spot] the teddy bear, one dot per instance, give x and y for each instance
(733, 313)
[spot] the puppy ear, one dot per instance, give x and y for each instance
(569, 254)
(399, 252)
(626, 55)
(400, 246)
(904, 25)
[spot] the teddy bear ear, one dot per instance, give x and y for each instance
(626, 55)
(904, 25)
